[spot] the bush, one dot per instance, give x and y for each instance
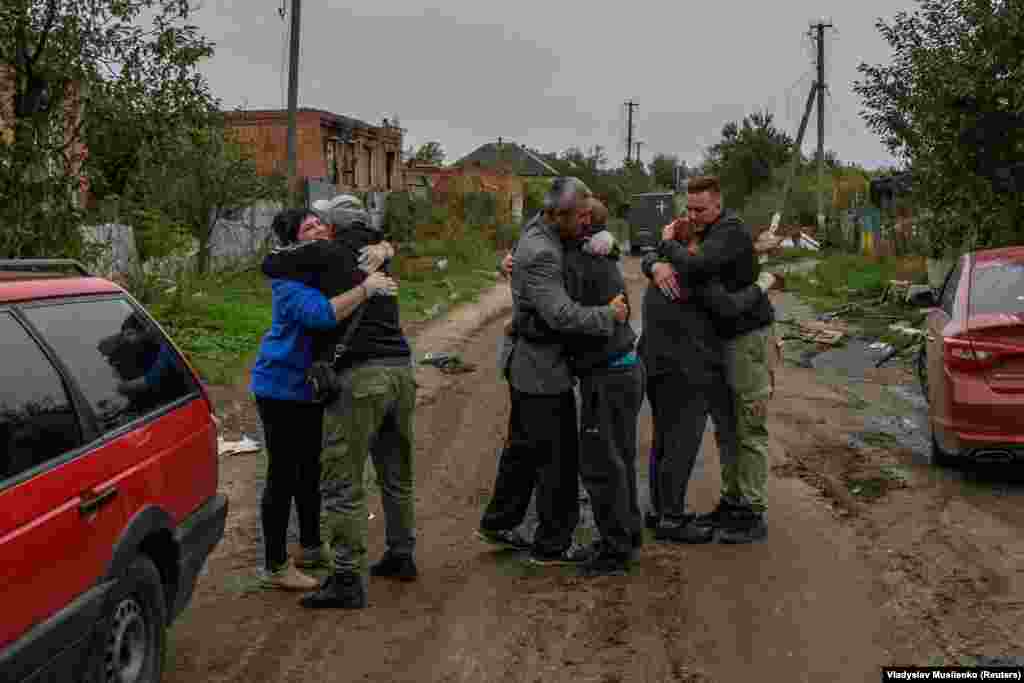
(506, 235)
(473, 248)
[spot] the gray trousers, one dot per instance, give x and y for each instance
(680, 409)
(610, 400)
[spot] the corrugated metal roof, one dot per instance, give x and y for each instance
(522, 160)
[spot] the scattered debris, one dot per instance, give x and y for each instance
(880, 346)
(820, 333)
(441, 264)
(245, 445)
(448, 363)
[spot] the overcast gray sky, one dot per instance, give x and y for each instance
(556, 74)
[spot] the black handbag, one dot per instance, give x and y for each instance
(322, 376)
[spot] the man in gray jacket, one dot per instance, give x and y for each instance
(542, 450)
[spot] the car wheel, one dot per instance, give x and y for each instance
(129, 644)
(941, 458)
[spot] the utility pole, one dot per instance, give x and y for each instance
(795, 162)
(638, 143)
(820, 28)
(293, 91)
(629, 129)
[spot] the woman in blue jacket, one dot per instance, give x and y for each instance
(292, 421)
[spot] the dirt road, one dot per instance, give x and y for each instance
(873, 557)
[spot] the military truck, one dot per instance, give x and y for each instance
(648, 213)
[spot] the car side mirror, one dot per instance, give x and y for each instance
(922, 296)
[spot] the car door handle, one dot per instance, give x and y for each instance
(93, 500)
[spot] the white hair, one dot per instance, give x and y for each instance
(565, 193)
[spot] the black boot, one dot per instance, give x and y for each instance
(716, 519)
(744, 526)
(401, 567)
(685, 530)
(344, 590)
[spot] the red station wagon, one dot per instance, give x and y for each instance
(108, 479)
(975, 359)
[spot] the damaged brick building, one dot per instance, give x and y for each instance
(341, 151)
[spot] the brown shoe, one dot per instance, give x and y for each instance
(288, 578)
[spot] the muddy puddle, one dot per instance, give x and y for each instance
(898, 421)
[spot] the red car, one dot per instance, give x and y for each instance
(975, 358)
(108, 479)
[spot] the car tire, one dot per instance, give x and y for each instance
(939, 457)
(129, 643)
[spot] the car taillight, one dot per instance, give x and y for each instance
(968, 354)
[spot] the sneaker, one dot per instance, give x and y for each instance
(344, 591)
(745, 526)
(506, 539)
(287, 578)
(573, 555)
(605, 564)
(315, 558)
(717, 517)
(401, 567)
(686, 530)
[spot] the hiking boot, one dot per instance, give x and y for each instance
(344, 590)
(605, 564)
(287, 578)
(401, 567)
(315, 558)
(717, 517)
(685, 530)
(744, 526)
(573, 555)
(505, 539)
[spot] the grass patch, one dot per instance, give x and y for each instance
(880, 440)
(218, 320)
(842, 279)
(789, 255)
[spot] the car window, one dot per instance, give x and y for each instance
(37, 420)
(949, 289)
(122, 363)
(997, 287)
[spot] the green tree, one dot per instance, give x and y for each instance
(117, 74)
(748, 156)
(950, 106)
(663, 170)
(430, 153)
(205, 176)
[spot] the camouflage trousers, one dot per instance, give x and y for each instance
(750, 367)
(372, 418)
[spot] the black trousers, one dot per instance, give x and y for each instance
(542, 451)
(294, 437)
(610, 405)
(680, 409)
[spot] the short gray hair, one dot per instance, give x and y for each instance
(565, 193)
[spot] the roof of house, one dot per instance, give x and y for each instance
(518, 157)
(331, 117)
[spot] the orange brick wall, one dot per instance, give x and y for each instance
(266, 137)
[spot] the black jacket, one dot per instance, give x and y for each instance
(332, 266)
(727, 255)
(589, 281)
